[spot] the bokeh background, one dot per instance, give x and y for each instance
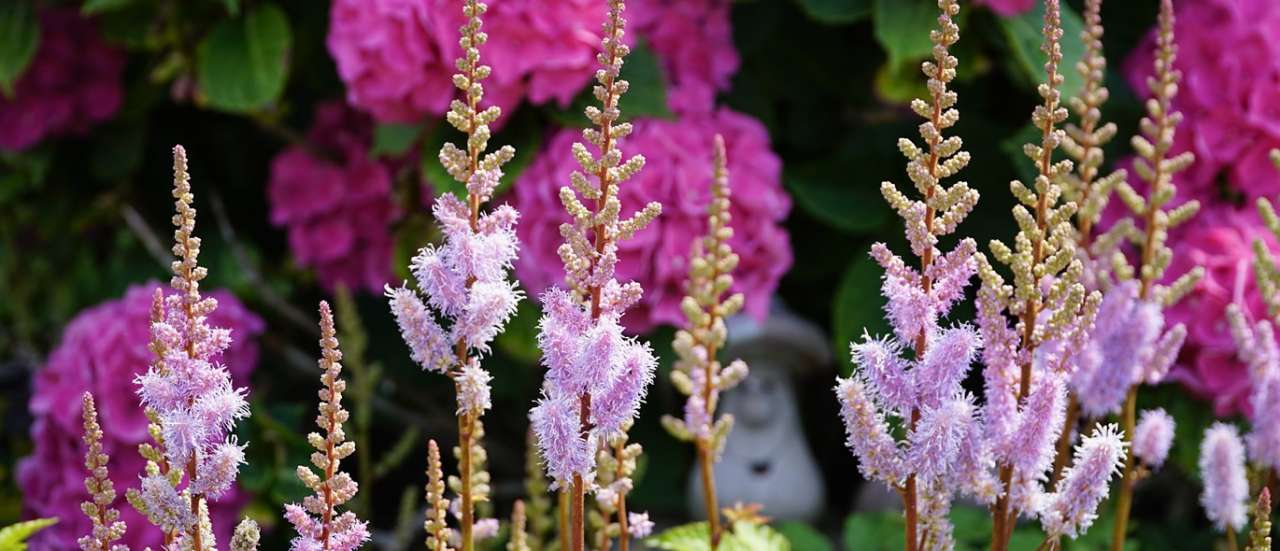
(313, 129)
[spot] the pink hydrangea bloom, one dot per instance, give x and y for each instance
(337, 208)
(1007, 8)
(694, 42)
(1230, 63)
(1219, 239)
(73, 82)
(396, 56)
(101, 351)
(677, 174)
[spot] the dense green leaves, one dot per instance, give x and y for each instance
(902, 28)
(19, 38)
(836, 12)
(243, 63)
(743, 537)
(824, 191)
(14, 537)
(1024, 37)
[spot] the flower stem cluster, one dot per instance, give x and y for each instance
(596, 377)
(317, 521)
(698, 373)
(107, 526)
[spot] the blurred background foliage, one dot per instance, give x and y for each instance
(82, 218)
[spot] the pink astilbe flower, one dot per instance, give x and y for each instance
(72, 83)
(1030, 449)
(563, 448)
(101, 351)
(935, 444)
(868, 433)
(396, 56)
(639, 525)
(1072, 507)
(1153, 436)
(1226, 489)
(1258, 349)
(694, 43)
(679, 158)
(336, 201)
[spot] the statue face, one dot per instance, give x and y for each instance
(762, 399)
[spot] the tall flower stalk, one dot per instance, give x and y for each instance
(934, 461)
(189, 397)
(596, 378)
(317, 520)
(1026, 364)
(107, 526)
(698, 373)
(464, 279)
(1156, 168)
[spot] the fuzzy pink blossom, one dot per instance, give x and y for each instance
(72, 83)
(1030, 449)
(1226, 489)
(938, 437)
(639, 525)
(1124, 348)
(678, 156)
(694, 43)
(1072, 507)
(1153, 437)
(1228, 95)
(1220, 240)
(397, 56)
(336, 201)
(1258, 349)
(1007, 8)
(868, 433)
(564, 450)
(101, 351)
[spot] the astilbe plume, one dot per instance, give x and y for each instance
(1152, 437)
(596, 378)
(436, 527)
(924, 393)
(1026, 365)
(697, 373)
(107, 526)
(317, 521)
(1259, 351)
(1260, 536)
(1226, 488)
(539, 512)
(1070, 509)
(464, 279)
(519, 538)
(615, 465)
(192, 400)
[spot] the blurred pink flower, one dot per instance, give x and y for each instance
(101, 351)
(397, 56)
(1221, 240)
(694, 42)
(337, 208)
(73, 82)
(677, 173)
(1230, 60)
(1007, 8)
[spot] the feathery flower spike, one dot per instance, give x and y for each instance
(698, 373)
(923, 393)
(435, 524)
(1153, 437)
(317, 521)
(191, 398)
(1071, 508)
(596, 377)
(464, 279)
(1226, 488)
(107, 526)
(1260, 536)
(1257, 348)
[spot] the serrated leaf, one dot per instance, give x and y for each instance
(857, 308)
(243, 63)
(836, 12)
(1023, 36)
(686, 537)
(14, 537)
(394, 139)
(646, 96)
(755, 537)
(19, 39)
(902, 28)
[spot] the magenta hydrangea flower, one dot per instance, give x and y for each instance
(396, 56)
(1226, 488)
(1228, 95)
(102, 350)
(678, 164)
(694, 43)
(1219, 239)
(336, 202)
(1153, 437)
(72, 83)
(1007, 8)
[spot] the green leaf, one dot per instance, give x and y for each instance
(93, 7)
(836, 12)
(1023, 34)
(520, 337)
(755, 537)
(802, 536)
(243, 63)
(394, 139)
(232, 6)
(646, 96)
(14, 537)
(902, 28)
(900, 82)
(857, 308)
(19, 38)
(879, 531)
(686, 537)
(826, 192)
